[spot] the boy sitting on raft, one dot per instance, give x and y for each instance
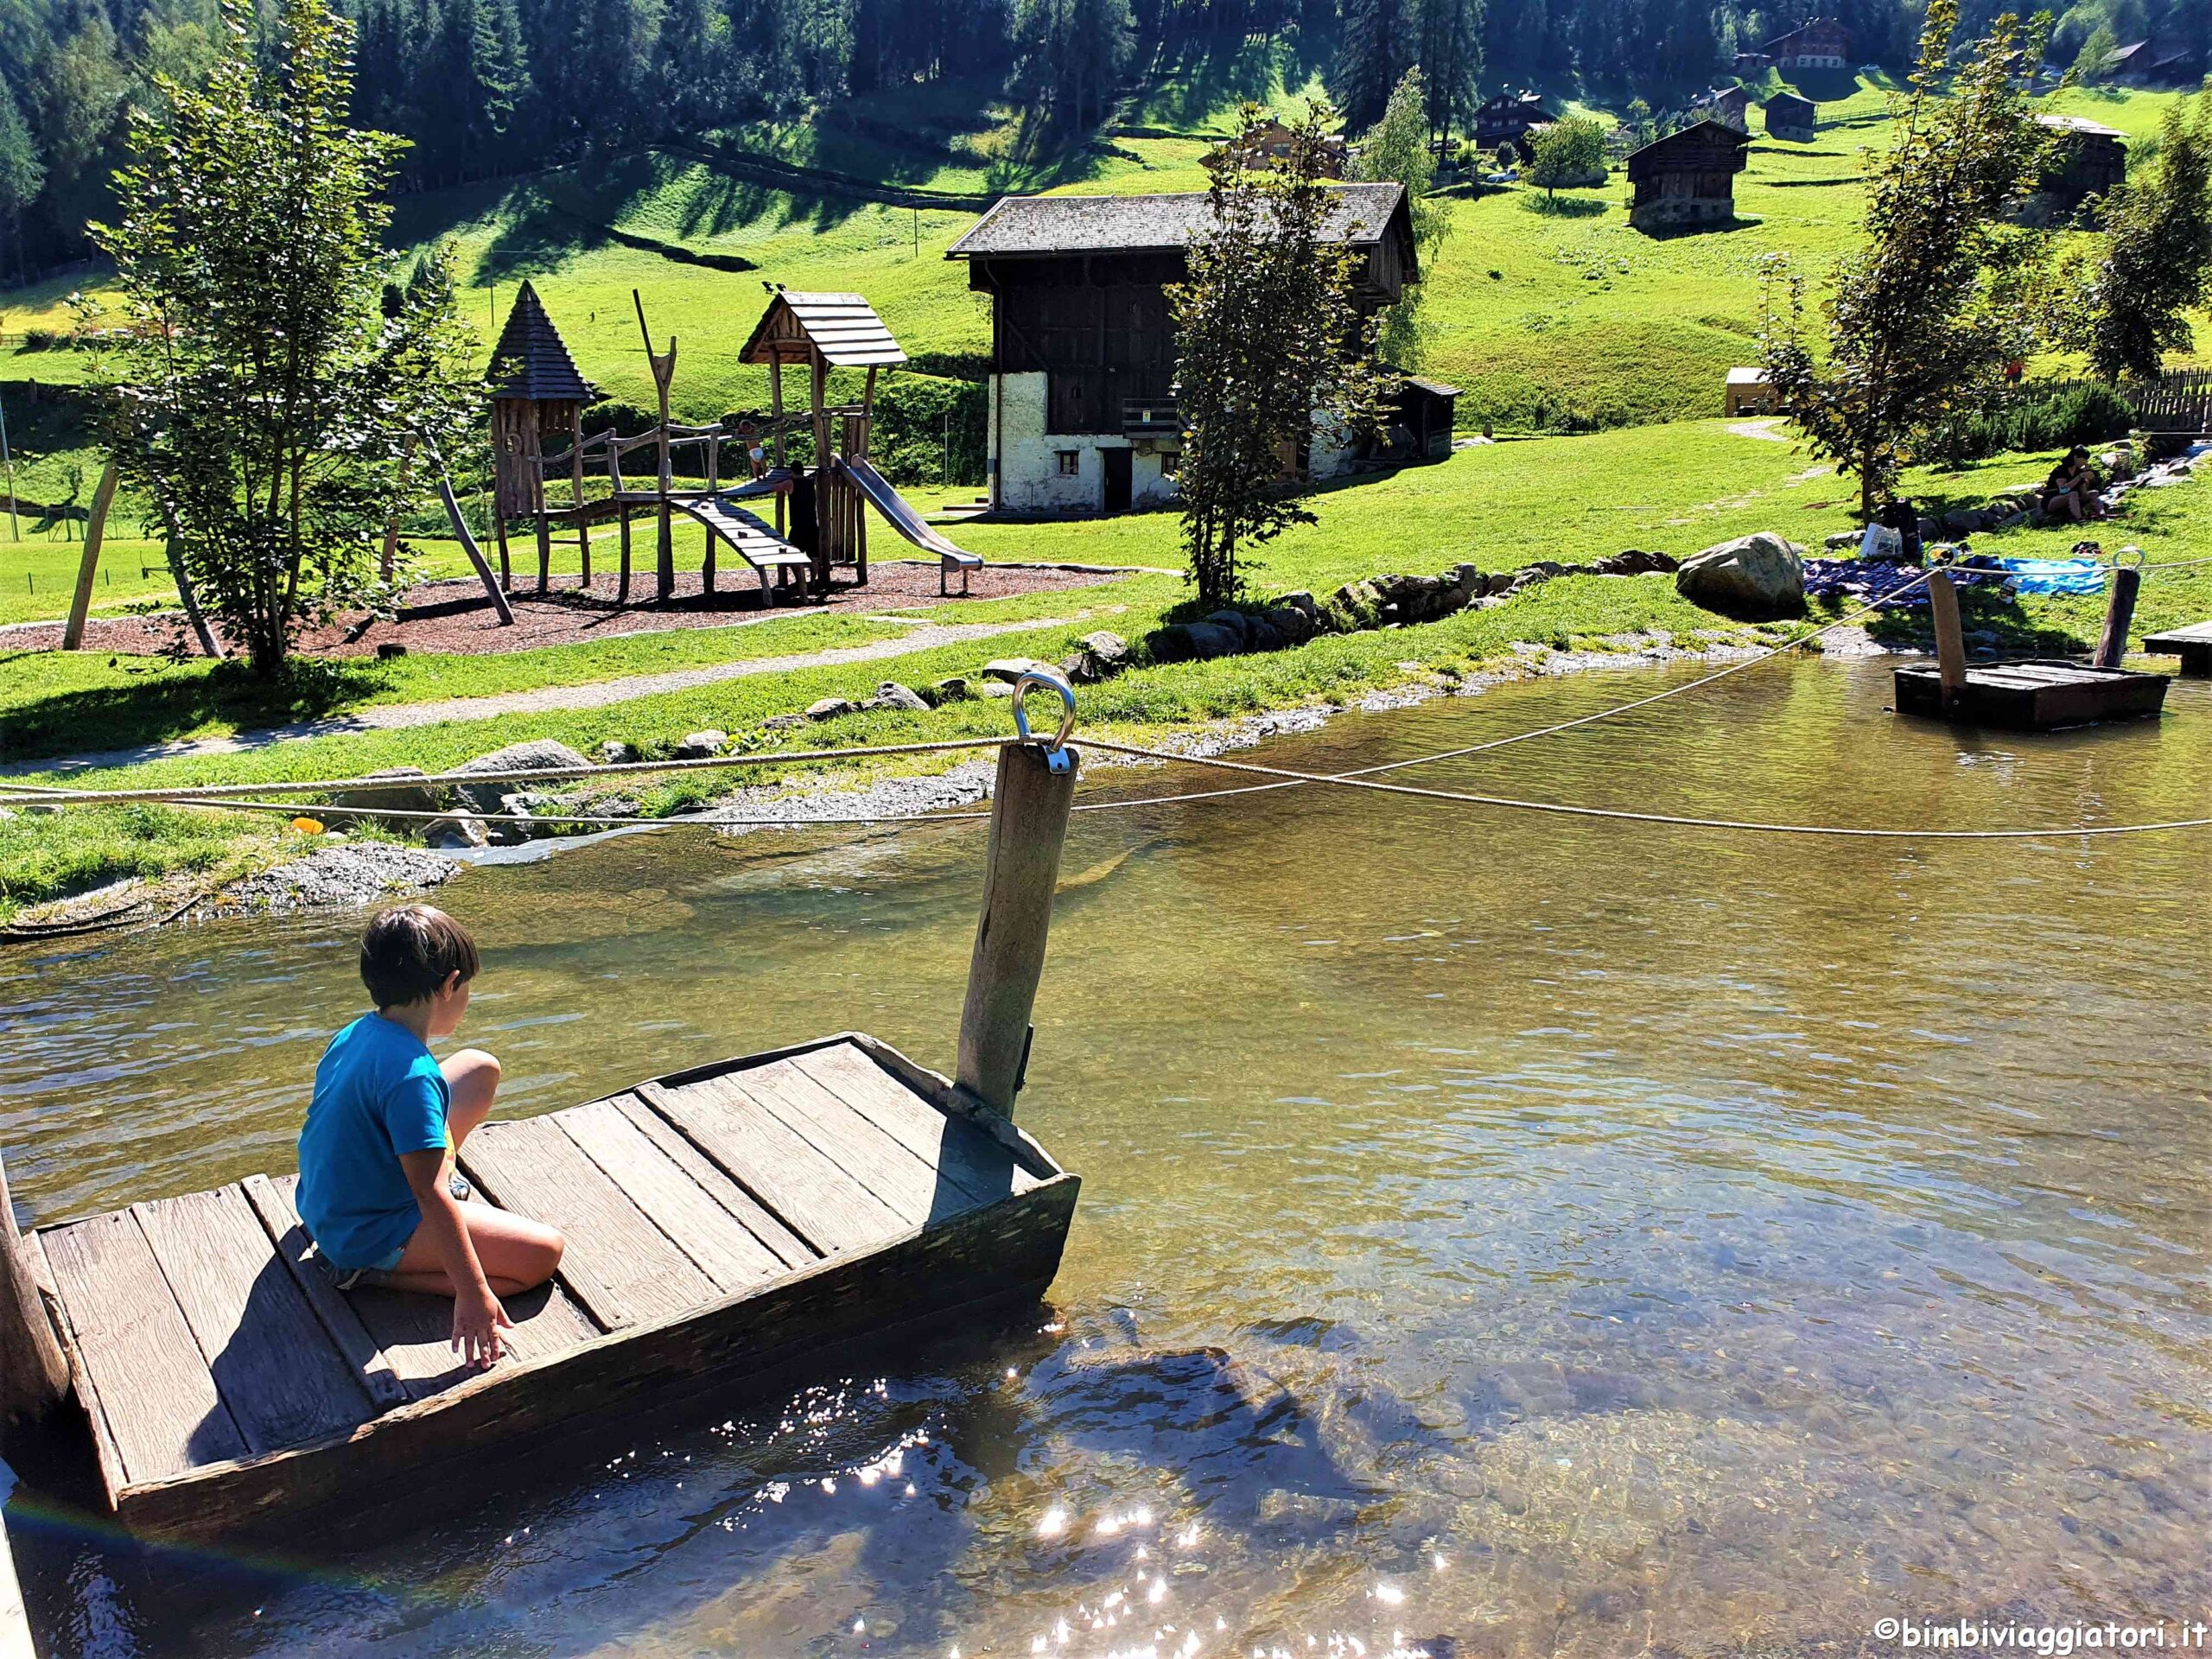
(379, 1192)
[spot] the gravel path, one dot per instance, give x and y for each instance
(550, 699)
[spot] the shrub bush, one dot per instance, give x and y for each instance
(2027, 419)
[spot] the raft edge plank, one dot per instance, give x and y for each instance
(1020, 1240)
(113, 1478)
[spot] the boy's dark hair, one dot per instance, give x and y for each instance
(409, 951)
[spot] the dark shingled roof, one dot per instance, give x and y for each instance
(1684, 148)
(1046, 225)
(530, 362)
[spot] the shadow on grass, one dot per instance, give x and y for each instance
(1981, 610)
(161, 706)
(1702, 227)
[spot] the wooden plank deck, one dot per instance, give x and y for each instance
(722, 1220)
(2193, 644)
(2035, 696)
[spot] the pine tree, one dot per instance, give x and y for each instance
(1396, 149)
(1380, 41)
(21, 174)
(1450, 63)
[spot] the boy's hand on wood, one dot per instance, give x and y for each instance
(478, 1319)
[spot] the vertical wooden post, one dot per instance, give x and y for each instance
(95, 528)
(663, 368)
(826, 489)
(2120, 614)
(577, 489)
(775, 404)
(1029, 822)
(1950, 643)
(622, 517)
(506, 564)
(33, 1375)
(545, 549)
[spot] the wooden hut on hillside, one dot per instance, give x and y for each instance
(1082, 391)
(1730, 105)
(1791, 117)
(1746, 391)
(1823, 43)
(1687, 178)
(1506, 119)
(1265, 145)
(2091, 158)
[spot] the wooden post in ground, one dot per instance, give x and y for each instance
(622, 518)
(498, 591)
(663, 368)
(33, 1375)
(576, 490)
(2120, 614)
(81, 603)
(1029, 822)
(506, 564)
(776, 404)
(545, 549)
(190, 600)
(1950, 642)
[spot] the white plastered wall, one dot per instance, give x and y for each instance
(1030, 479)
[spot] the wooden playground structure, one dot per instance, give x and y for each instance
(820, 521)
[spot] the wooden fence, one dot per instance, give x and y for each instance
(2178, 400)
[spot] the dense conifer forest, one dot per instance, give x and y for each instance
(489, 88)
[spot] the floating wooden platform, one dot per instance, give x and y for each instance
(720, 1222)
(2033, 696)
(2193, 644)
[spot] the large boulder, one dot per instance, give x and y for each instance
(1103, 656)
(403, 794)
(532, 756)
(1295, 625)
(1183, 642)
(1755, 578)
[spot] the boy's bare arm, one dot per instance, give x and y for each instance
(477, 1315)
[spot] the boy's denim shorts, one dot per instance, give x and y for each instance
(369, 1278)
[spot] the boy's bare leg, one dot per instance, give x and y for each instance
(471, 1084)
(516, 1253)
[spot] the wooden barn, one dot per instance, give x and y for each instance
(1747, 392)
(1687, 178)
(1823, 43)
(1265, 145)
(2091, 159)
(1791, 117)
(1730, 105)
(1082, 412)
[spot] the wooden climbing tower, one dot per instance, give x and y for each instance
(536, 390)
(822, 332)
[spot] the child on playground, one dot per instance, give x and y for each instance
(379, 1192)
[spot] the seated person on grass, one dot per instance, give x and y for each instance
(2070, 492)
(379, 1192)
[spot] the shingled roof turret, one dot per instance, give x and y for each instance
(532, 363)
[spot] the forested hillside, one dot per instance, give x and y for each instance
(496, 88)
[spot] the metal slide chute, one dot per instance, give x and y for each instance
(909, 524)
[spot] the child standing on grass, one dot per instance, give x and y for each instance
(379, 1192)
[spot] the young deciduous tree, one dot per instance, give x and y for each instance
(264, 400)
(1395, 150)
(1273, 353)
(1569, 151)
(2131, 302)
(1924, 317)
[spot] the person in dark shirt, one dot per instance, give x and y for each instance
(2070, 492)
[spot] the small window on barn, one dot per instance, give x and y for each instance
(1170, 461)
(1071, 461)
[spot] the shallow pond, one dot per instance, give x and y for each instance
(1500, 1234)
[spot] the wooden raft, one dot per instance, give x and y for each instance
(2193, 644)
(2033, 696)
(722, 1221)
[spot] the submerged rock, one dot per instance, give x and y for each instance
(456, 834)
(1755, 578)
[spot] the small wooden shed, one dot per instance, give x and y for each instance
(1423, 412)
(1687, 178)
(1730, 105)
(536, 388)
(1748, 393)
(1791, 117)
(2091, 159)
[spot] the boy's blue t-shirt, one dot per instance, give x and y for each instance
(378, 1094)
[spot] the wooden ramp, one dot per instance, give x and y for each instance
(2193, 644)
(720, 1222)
(757, 545)
(2033, 696)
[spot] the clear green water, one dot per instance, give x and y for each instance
(1546, 1236)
